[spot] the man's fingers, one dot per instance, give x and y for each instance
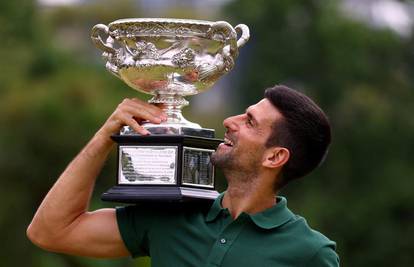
(139, 104)
(135, 106)
(132, 112)
(140, 114)
(136, 127)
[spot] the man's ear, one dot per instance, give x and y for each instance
(276, 157)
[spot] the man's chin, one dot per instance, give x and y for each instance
(220, 158)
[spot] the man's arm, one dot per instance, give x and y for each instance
(62, 222)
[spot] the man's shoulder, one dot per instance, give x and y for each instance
(291, 227)
(299, 225)
(315, 246)
(299, 229)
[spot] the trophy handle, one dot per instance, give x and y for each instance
(97, 40)
(109, 52)
(245, 34)
(230, 50)
(231, 44)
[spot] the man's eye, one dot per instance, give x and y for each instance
(249, 122)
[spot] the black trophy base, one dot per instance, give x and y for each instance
(135, 194)
(164, 168)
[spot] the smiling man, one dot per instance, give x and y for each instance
(283, 137)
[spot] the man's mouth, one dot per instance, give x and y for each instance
(228, 142)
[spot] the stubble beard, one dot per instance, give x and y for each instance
(233, 168)
(222, 161)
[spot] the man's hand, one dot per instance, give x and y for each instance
(62, 222)
(132, 112)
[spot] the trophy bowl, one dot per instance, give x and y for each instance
(169, 59)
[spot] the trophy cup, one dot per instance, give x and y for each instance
(169, 59)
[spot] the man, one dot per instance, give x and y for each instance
(283, 137)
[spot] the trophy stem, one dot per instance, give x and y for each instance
(172, 106)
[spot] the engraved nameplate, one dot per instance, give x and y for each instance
(147, 165)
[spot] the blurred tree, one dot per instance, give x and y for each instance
(51, 103)
(362, 77)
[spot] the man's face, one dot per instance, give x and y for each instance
(245, 138)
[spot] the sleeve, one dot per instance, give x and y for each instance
(134, 226)
(324, 257)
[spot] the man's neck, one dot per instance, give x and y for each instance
(249, 197)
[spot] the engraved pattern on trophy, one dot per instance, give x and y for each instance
(184, 58)
(169, 59)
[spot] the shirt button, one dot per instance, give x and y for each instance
(223, 241)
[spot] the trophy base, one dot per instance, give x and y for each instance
(134, 194)
(164, 168)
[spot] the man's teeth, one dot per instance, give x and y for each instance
(228, 142)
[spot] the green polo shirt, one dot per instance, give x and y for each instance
(210, 237)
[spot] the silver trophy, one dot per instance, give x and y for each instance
(169, 59)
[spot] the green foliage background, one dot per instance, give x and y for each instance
(53, 99)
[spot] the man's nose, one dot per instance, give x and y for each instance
(231, 123)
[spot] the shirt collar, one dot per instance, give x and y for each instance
(270, 218)
(215, 209)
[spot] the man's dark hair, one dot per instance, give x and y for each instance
(303, 129)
